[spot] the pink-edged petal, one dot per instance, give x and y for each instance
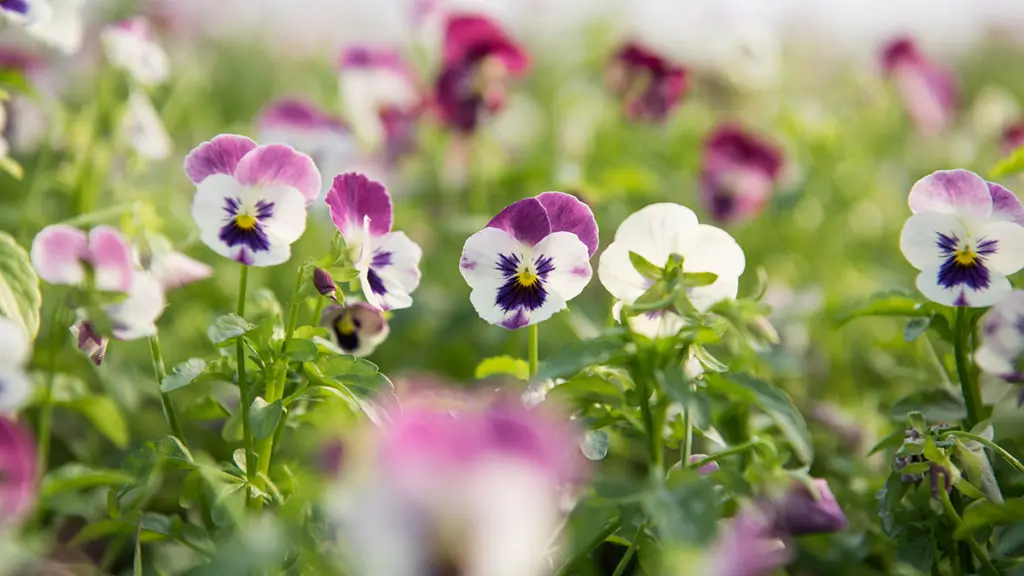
(468, 37)
(568, 214)
(135, 317)
(295, 113)
(354, 197)
(959, 192)
(18, 477)
(111, 259)
(218, 156)
(1005, 204)
(174, 270)
(527, 220)
(281, 165)
(57, 253)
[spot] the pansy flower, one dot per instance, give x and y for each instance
(478, 59)
(379, 96)
(965, 237)
(657, 232)
(143, 130)
(130, 46)
(25, 12)
(15, 349)
(530, 260)
(357, 328)
(310, 130)
(18, 476)
(648, 84)
(1002, 345)
(251, 200)
(388, 262)
(738, 173)
(927, 89)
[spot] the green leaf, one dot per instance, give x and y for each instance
(20, 299)
(228, 327)
(775, 403)
(1011, 164)
(301, 350)
(887, 304)
(589, 519)
(570, 359)
(263, 418)
(11, 166)
(183, 374)
(645, 267)
(699, 279)
(105, 416)
(937, 405)
(972, 458)
(984, 513)
(593, 385)
(916, 327)
(686, 512)
(503, 366)
(73, 477)
(707, 360)
(356, 373)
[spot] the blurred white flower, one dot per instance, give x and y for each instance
(15, 349)
(64, 29)
(143, 130)
(130, 46)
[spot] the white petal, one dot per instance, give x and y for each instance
(401, 276)
(988, 360)
(143, 59)
(279, 253)
(571, 260)
(1009, 255)
(661, 325)
(143, 130)
(288, 221)
(725, 288)
(15, 347)
(135, 317)
(480, 257)
(208, 210)
(64, 29)
(618, 276)
(712, 249)
(15, 390)
(484, 301)
(928, 284)
(657, 231)
(920, 234)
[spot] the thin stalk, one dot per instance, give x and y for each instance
(620, 569)
(687, 436)
(566, 568)
(534, 349)
(46, 408)
(738, 449)
(969, 388)
(979, 551)
(158, 369)
(990, 444)
(243, 387)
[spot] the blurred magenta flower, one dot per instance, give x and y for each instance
(964, 237)
(15, 350)
(143, 130)
(62, 254)
(131, 46)
(461, 485)
(648, 84)
(800, 512)
(357, 328)
(928, 90)
(657, 232)
(530, 260)
(1013, 137)
(748, 547)
(310, 130)
(1002, 345)
(738, 173)
(478, 59)
(388, 262)
(250, 201)
(17, 472)
(380, 98)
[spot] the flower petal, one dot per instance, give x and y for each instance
(961, 294)
(712, 249)
(142, 128)
(617, 275)
(660, 324)
(571, 260)
(16, 388)
(526, 220)
(959, 192)
(920, 234)
(15, 346)
(135, 317)
(704, 297)
(218, 156)
(989, 360)
(1005, 204)
(18, 476)
(111, 259)
(485, 304)
(129, 46)
(208, 212)
(657, 231)
(282, 165)
(480, 255)
(468, 36)
(1008, 256)
(395, 265)
(354, 197)
(568, 214)
(288, 219)
(57, 253)
(174, 270)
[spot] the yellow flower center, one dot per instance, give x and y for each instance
(527, 277)
(966, 256)
(245, 221)
(345, 324)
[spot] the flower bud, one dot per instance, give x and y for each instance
(324, 283)
(89, 341)
(706, 469)
(800, 513)
(934, 472)
(357, 328)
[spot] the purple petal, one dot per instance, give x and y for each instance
(352, 197)
(959, 192)
(800, 513)
(279, 164)
(568, 214)
(218, 156)
(373, 57)
(111, 258)
(57, 254)
(296, 114)
(526, 220)
(17, 472)
(709, 468)
(1005, 204)
(468, 39)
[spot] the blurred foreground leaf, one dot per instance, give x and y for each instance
(1009, 165)
(775, 403)
(887, 304)
(20, 299)
(503, 366)
(570, 359)
(105, 416)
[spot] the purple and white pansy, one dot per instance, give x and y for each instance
(1002, 345)
(530, 260)
(251, 200)
(388, 262)
(15, 350)
(25, 12)
(657, 232)
(966, 236)
(130, 46)
(376, 87)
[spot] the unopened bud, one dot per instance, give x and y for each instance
(762, 328)
(89, 341)
(324, 283)
(705, 469)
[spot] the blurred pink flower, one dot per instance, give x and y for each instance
(1013, 137)
(649, 85)
(381, 98)
(748, 547)
(17, 472)
(131, 46)
(307, 128)
(61, 253)
(928, 90)
(738, 174)
(800, 512)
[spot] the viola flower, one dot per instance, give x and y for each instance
(170, 268)
(738, 173)
(964, 237)
(63, 29)
(388, 262)
(1013, 137)
(927, 89)
(530, 260)
(17, 472)
(357, 328)
(143, 130)
(458, 486)
(478, 60)
(251, 200)
(308, 129)
(649, 85)
(1002, 345)
(800, 512)
(131, 46)
(657, 232)
(379, 96)
(15, 349)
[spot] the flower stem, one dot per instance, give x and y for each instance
(977, 549)
(46, 409)
(990, 444)
(165, 400)
(968, 387)
(534, 349)
(243, 387)
(610, 529)
(738, 449)
(620, 569)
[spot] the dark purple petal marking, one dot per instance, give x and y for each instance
(244, 229)
(517, 294)
(19, 6)
(381, 259)
(964, 266)
(376, 284)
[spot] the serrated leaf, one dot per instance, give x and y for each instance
(570, 359)
(645, 267)
(20, 299)
(263, 418)
(503, 366)
(183, 374)
(775, 403)
(357, 374)
(105, 416)
(302, 350)
(1011, 164)
(984, 513)
(228, 327)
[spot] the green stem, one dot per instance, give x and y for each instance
(738, 449)
(243, 387)
(640, 377)
(990, 444)
(158, 369)
(969, 388)
(620, 569)
(610, 529)
(534, 349)
(46, 408)
(977, 549)
(687, 436)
